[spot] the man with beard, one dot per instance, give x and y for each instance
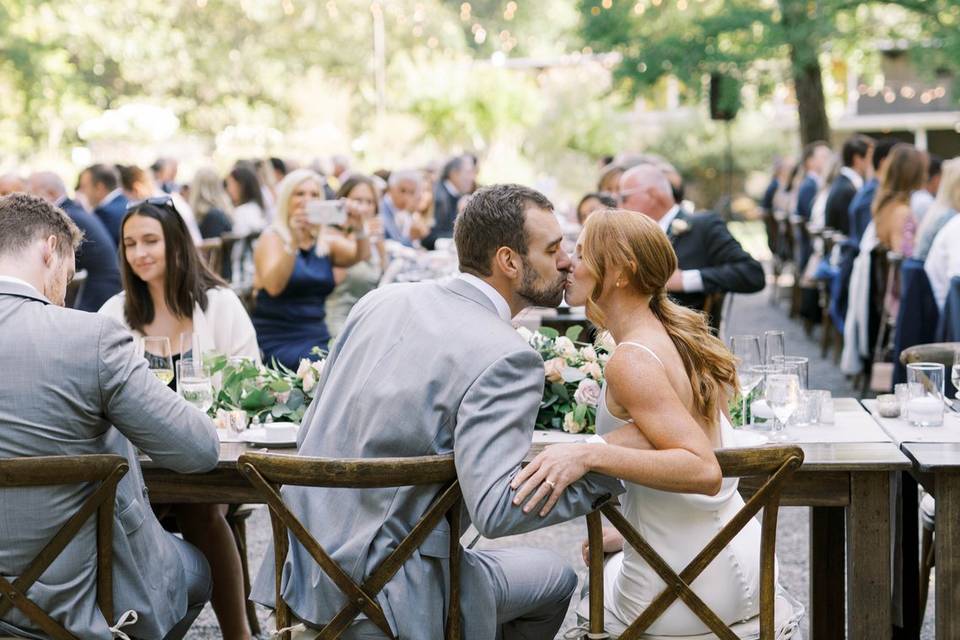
(436, 368)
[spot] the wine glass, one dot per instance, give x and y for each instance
(156, 349)
(955, 371)
(795, 364)
(188, 346)
(782, 393)
(746, 349)
(773, 345)
(194, 384)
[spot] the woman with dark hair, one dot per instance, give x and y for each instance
(244, 190)
(169, 291)
(360, 195)
(593, 201)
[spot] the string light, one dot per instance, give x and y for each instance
(465, 10)
(607, 4)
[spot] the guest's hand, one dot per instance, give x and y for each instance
(675, 283)
(553, 470)
(612, 543)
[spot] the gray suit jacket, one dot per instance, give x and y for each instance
(420, 369)
(67, 376)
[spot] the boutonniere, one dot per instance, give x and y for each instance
(679, 227)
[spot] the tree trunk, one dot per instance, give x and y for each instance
(800, 24)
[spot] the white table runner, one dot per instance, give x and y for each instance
(901, 431)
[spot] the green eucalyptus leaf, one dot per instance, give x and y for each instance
(549, 332)
(573, 333)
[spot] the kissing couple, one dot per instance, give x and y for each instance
(436, 368)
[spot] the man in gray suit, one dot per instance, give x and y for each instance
(69, 376)
(435, 368)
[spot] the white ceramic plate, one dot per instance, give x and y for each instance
(258, 438)
(748, 439)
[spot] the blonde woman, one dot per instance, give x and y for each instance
(293, 271)
(944, 207)
(668, 375)
(210, 204)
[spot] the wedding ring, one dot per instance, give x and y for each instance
(550, 483)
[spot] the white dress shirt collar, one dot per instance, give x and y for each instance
(13, 280)
(110, 197)
(668, 218)
(452, 190)
(498, 301)
(853, 177)
(60, 201)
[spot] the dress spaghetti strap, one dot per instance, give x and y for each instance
(647, 349)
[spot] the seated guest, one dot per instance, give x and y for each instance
(11, 183)
(96, 255)
(244, 190)
(442, 366)
(856, 156)
(293, 271)
(457, 178)
(165, 174)
(861, 211)
(711, 260)
(591, 202)
(210, 204)
(398, 206)
(904, 173)
(815, 162)
(943, 208)
(82, 387)
(100, 185)
(360, 195)
(921, 199)
(943, 261)
(168, 291)
(139, 185)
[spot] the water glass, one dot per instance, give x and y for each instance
(801, 365)
(760, 412)
(955, 371)
(194, 384)
(156, 349)
(925, 382)
(824, 406)
(746, 349)
(773, 345)
(782, 393)
(901, 391)
(808, 410)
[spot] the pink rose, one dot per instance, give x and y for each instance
(553, 369)
(593, 370)
(588, 393)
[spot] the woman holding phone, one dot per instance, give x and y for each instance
(293, 268)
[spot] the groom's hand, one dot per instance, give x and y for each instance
(549, 474)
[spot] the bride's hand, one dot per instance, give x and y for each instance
(612, 543)
(553, 470)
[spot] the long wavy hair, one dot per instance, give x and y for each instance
(906, 171)
(618, 240)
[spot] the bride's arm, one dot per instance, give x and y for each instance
(682, 458)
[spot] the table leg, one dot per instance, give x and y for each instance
(869, 579)
(907, 570)
(826, 580)
(947, 551)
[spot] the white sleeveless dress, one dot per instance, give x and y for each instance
(678, 526)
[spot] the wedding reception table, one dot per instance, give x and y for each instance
(847, 484)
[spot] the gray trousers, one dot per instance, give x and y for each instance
(199, 586)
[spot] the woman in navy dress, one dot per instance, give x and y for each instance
(294, 263)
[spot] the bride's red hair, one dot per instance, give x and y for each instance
(619, 240)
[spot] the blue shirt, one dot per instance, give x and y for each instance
(860, 213)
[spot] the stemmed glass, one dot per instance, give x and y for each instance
(156, 349)
(782, 393)
(773, 345)
(746, 349)
(194, 384)
(955, 371)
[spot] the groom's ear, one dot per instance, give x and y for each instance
(507, 262)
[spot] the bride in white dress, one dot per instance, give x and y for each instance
(661, 414)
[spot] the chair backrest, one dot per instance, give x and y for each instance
(267, 472)
(62, 470)
(211, 252)
(777, 464)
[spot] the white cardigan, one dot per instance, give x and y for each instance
(224, 327)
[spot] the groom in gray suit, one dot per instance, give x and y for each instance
(67, 377)
(435, 368)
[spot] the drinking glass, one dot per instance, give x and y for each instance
(746, 349)
(188, 346)
(955, 370)
(773, 345)
(782, 393)
(925, 386)
(801, 364)
(156, 349)
(194, 384)
(759, 407)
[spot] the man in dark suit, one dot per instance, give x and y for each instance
(101, 186)
(711, 260)
(860, 207)
(97, 255)
(457, 178)
(857, 154)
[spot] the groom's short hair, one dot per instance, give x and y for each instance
(493, 218)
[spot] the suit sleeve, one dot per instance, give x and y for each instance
(805, 198)
(730, 268)
(174, 433)
(492, 436)
(838, 207)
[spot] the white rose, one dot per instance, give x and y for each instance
(606, 341)
(589, 354)
(593, 370)
(303, 368)
(309, 380)
(317, 366)
(553, 369)
(570, 425)
(525, 333)
(588, 393)
(565, 347)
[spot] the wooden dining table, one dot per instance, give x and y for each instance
(846, 485)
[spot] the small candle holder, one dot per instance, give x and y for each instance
(887, 406)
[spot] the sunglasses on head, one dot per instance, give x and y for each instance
(157, 201)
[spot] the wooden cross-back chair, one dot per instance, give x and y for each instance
(267, 472)
(778, 464)
(62, 470)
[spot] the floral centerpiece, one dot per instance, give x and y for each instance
(265, 393)
(574, 375)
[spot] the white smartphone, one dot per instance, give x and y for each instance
(328, 212)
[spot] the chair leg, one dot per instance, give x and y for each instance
(239, 529)
(926, 565)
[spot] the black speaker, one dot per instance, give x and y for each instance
(724, 97)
